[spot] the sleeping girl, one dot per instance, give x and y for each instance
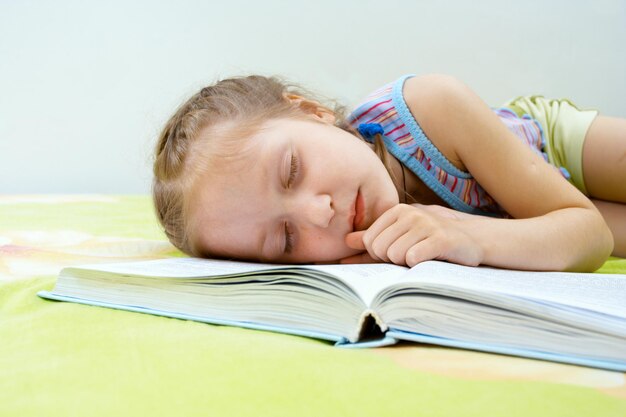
(255, 168)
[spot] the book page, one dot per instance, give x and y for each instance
(182, 267)
(603, 293)
(367, 280)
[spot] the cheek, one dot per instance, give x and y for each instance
(321, 247)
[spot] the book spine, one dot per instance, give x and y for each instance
(371, 326)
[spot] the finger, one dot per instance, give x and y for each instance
(361, 258)
(424, 250)
(397, 251)
(379, 247)
(381, 223)
(354, 240)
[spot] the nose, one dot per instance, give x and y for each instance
(316, 210)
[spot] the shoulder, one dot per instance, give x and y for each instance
(427, 97)
(430, 85)
(442, 102)
(435, 101)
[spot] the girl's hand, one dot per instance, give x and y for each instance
(410, 234)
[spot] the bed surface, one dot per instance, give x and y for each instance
(64, 359)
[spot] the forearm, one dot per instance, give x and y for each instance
(571, 239)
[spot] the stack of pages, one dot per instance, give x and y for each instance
(566, 317)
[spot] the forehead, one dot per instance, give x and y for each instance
(225, 153)
(228, 200)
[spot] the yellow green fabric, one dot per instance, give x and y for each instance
(65, 359)
(564, 126)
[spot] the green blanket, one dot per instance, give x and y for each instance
(65, 359)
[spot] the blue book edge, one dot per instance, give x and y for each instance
(527, 353)
(389, 338)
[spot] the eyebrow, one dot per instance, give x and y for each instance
(282, 155)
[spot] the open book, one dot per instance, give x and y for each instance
(563, 317)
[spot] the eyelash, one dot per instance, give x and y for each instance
(288, 239)
(294, 170)
(292, 176)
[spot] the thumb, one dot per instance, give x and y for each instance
(354, 240)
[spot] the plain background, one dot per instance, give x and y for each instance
(85, 87)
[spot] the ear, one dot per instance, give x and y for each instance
(311, 107)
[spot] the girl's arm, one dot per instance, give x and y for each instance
(555, 227)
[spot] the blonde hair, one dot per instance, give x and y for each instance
(229, 110)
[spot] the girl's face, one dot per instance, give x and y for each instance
(292, 198)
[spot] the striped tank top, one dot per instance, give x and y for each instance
(405, 140)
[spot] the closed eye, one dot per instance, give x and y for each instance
(288, 239)
(293, 172)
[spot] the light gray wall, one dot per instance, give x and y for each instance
(86, 86)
